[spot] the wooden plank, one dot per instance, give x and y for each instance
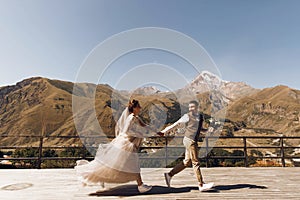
(230, 183)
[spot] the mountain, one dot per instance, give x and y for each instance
(229, 91)
(276, 108)
(149, 90)
(213, 93)
(41, 106)
(38, 105)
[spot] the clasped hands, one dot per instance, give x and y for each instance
(160, 134)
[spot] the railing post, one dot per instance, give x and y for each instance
(166, 152)
(83, 149)
(206, 151)
(40, 153)
(245, 152)
(282, 152)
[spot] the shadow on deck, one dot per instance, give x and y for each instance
(131, 190)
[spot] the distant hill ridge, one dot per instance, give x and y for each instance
(38, 103)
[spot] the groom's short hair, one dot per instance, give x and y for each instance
(194, 102)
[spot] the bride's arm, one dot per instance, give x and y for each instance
(141, 122)
(139, 128)
(134, 127)
(148, 128)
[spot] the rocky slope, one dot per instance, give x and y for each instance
(40, 106)
(276, 108)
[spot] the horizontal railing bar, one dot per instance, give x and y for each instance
(157, 158)
(47, 158)
(226, 157)
(20, 158)
(258, 147)
(142, 157)
(59, 136)
(66, 158)
(155, 147)
(169, 137)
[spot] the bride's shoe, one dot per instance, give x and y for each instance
(102, 187)
(144, 188)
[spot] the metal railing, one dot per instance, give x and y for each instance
(167, 145)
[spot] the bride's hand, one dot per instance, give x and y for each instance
(160, 134)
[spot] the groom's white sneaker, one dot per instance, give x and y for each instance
(144, 188)
(205, 187)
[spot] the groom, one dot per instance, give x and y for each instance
(193, 122)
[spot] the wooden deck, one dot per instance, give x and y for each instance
(230, 183)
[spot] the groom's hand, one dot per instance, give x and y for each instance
(160, 134)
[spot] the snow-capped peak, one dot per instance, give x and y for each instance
(207, 81)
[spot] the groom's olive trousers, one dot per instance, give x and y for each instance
(191, 157)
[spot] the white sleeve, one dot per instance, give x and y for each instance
(135, 129)
(183, 119)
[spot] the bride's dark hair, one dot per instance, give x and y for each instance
(133, 104)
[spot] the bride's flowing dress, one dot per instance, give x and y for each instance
(116, 162)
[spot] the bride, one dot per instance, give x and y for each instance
(118, 162)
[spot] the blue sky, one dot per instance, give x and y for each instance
(257, 42)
